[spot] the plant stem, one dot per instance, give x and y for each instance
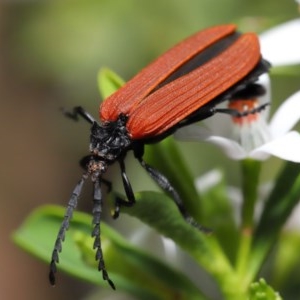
(250, 177)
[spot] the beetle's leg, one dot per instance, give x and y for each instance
(78, 111)
(165, 184)
(97, 209)
(64, 226)
(237, 114)
(210, 110)
(128, 190)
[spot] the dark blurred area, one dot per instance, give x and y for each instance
(50, 53)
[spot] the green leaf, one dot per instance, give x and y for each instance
(211, 209)
(286, 266)
(281, 202)
(108, 82)
(159, 211)
(218, 213)
(292, 70)
(262, 291)
(166, 157)
(131, 270)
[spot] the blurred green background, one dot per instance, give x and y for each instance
(51, 52)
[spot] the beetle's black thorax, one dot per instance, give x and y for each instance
(110, 139)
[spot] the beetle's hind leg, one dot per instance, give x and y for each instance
(165, 184)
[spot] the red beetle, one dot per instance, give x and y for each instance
(180, 87)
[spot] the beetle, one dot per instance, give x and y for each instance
(182, 86)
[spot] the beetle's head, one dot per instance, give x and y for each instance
(110, 139)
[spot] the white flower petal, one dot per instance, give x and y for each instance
(286, 116)
(258, 154)
(208, 180)
(293, 221)
(265, 81)
(286, 147)
(281, 45)
(231, 148)
(196, 133)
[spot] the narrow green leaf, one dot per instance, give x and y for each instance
(166, 157)
(285, 272)
(159, 211)
(219, 215)
(131, 269)
(108, 82)
(291, 70)
(281, 202)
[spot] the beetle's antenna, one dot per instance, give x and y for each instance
(97, 209)
(63, 227)
(76, 112)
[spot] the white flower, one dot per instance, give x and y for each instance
(259, 139)
(253, 136)
(281, 44)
